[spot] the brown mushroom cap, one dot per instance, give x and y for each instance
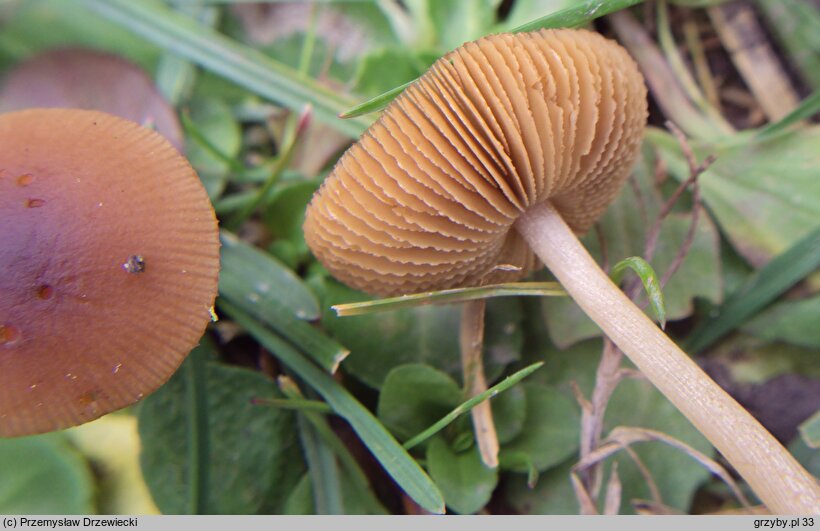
(109, 255)
(428, 197)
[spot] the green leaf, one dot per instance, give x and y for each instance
(42, 474)
(524, 11)
(424, 334)
(762, 360)
(808, 457)
(764, 194)
(374, 104)
(466, 406)
(395, 460)
(256, 282)
(650, 282)
(69, 25)
(579, 14)
(449, 296)
(759, 290)
(239, 435)
(807, 108)
(300, 500)
(638, 403)
(456, 22)
(463, 479)
(553, 494)
(241, 64)
(509, 413)
(285, 213)
(415, 396)
(261, 279)
(383, 69)
(791, 321)
(212, 137)
(810, 431)
(551, 429)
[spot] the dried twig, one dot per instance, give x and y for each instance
(472, 366)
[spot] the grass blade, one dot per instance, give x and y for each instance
(376, 104)
(807, 108)
(571, 17)
(649, 280)
(500, 387)
(241, 64)
(256, 282)
(396, 461)
(763, 287)
(449, 296)
(577, 15)
(331, 440)
(199, 460)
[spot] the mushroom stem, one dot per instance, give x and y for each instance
(471, 340)
(775, 476)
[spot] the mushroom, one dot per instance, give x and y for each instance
(503, 151)
(109, 255)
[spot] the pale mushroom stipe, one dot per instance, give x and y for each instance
(499, 154)
(109, 260)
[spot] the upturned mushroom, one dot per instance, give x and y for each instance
(502, 152)
(109, 256)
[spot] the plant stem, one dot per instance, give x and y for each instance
(775, 476)
(472, 340)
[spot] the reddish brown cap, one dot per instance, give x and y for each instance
(109, 254)
(428, 197)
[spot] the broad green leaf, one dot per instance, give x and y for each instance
(808, 457)
(395, 460)
(509, 413)
(638, 403)
(456, 22)
(553, 494)
(467, 405)
(285, 213)
(463, 479)
(765, 194)
(762, 360)
(300, 500)
(241, 64)
(810, 431)
(215, 124)
(575, 364)
(43, 474)
(413, 397)
(551, 429)
(239, 437)
(386, 68)
(424, 334)
(791, 321)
